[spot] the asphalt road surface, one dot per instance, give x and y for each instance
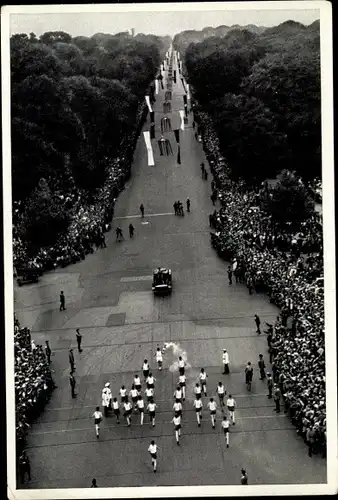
(109, 297)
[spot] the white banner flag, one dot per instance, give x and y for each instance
(156, 86)
(182, 119)
(188, 91)
(147, 140)
(148, 104)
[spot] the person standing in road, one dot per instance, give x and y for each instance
(71, 360)
(127, 411)
(212, 407)
(177, 423)
(188, 205)
(258, 324)
(72, 383)
(182, 383)
(231, 405)
(277, 396)
(261, 366)
(159, 358)
(198, 405)
(119, 234)
(225, 359)
(97, 420)
(244, 477)
(131, 230)
(140, 406)
(105, 402)
(62, 301)
(116, 410)
(181, 365)
(24, 467)
(203, 381)
(225, 427)
(48, 352)
(221, 393)
(137, 383)
(153, 453)
(230, 275)
(142, 210)
(151, 409)
(145, 369)
(269, 382)
(78, 339)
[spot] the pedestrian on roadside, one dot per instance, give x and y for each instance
(225, 427)
(159, 358)
(97, 420)
(48, 352)
(211, 220)
(188, 205)
(310, 439)
(153, 453)
(277, 396)
(198, 405)
(202, 169)
(177, 423)
(78, 339)
(269, 384)
(94, 485)
(205, 175)
(142, 210)
(212, 407)
(72, 383)
(244, 477)
(203, 381)
(71, 360)
(175, 208)
(62, 301)
(221, 393)
(145, 369)
(103, 241)
(225, 359)
(140, 406)
(229, 274)
(258, 324)
(131, 230)
(261, 366)
(213, 197)
(182, 383)
(151, 409)
(24, 467)
(231, 405)
(116, 410)
(127, 411)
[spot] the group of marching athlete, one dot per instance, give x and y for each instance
(134, 400)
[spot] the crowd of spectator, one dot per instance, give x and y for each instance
(88, 220)
(288, 267)
(33, 381)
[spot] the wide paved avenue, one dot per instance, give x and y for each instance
(109, 297)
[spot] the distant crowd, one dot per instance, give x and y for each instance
(289, 268)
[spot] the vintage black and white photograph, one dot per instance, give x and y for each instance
(168, 187)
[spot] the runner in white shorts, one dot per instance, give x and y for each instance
(225, 427)
(140, 406)
(159, 358)
(177, 423)
(116, 410)
(221, 393)
(182, 383)
(153, 453)
(198, 405)
(212, 407)
(231, 404)
(97, 420)
(203, 381)
(151, 408)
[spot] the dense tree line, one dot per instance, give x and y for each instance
(75, 103)
(262, 90)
